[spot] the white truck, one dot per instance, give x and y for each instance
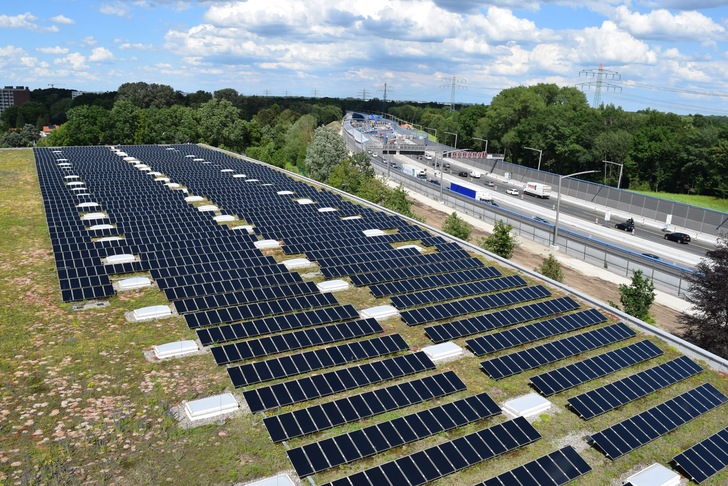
(483, 196)
(537, 189)
(413, 170)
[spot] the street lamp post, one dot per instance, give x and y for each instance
(621, 166)
(456, 139)
(558, 201)
(540, 153)
(430, 128)
(485, 150)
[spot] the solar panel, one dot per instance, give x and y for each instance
(321, 455)
(575, 374)
(448, 331)
(426, 297)
(275, 324)
(349, 409)
(706, 458)
(608, 397)
(296, 364)
(444, 459)
(308, 388)
(432, 281)
(278, 343)
(448, 310)
(634, 432)
(514, 363)
(557, 468)
(533, 332)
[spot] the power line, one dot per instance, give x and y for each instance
(599, 84)
(364, 95)
(453, 82)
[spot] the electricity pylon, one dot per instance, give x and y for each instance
(600, 74)
(453, 82)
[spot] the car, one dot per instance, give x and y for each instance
(679, 237)
(475, 175)
(512, 191)
(434, 181)
(374, 155)
(652, 255)
(462, 173)
(446, 165)
(489, 183)
(492, 203)
(626, 226)
(541, 220)
(393, 165)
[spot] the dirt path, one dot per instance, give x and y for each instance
(665, 317)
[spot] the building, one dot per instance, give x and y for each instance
(13, 95)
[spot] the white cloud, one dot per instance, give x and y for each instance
(74, 60)
(610, 45)
(89, 40)
(136, 47)
(553, 58)
(662, 24)
(100, 54)
(62, 19)
(117, 9)
(57, 50)
(24, 21)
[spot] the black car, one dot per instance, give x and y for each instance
(463, 174)
(626, 226)
(541, 220)
(679, 237)
(651, 255)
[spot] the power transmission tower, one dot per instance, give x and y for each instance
(384, 89)
(314, 92)
(600, 74)
(453, 82)
(364, 95)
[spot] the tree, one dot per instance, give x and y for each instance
(706, 323)
(551, 268)
(326, 151)
(500, 241)
(458, 227)
(638, 296)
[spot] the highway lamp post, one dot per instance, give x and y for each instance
(441, 170)
(621, 166)
(540, 153)
(558, 202)
(485, 149)
(456, 139)
(430, 128)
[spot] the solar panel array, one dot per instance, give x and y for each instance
(447, 310)
(559, 467)
(706, 458)
(375, 439)
(608, 397)
(575, 374)
(518, 362)
(444, 459)
(534, 332)
(318, 359)
(110, 216)
(634, 432)
(440, 333)
(349, 409)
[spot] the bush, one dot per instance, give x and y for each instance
(500, 241)
(551, 268)
(457, 227)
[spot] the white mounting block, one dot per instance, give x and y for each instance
(211, 406)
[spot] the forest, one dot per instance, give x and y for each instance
(659, 151)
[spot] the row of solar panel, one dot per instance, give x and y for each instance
(439, 333)
(519, 336)
(575, 374)
(276, 324)
(242, 297)
(614, 395)
(636, 431)
(305, 338)
(367, 279)
(220, 286)
(518, 362)
(316, 255)
(446, 458)
(314, 360)
(267, 265)
(426, 297)
(256, 311)
(706, 458)
(432, 281)
(371, 256)
(555, 469)
(331, 382)
(375, 439)
(304, 248)
(448, 310)
(350, 409)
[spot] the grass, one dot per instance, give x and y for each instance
(708, 202)
(80, 404)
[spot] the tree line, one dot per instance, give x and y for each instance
(659, 151)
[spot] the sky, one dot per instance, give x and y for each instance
(668, 55)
